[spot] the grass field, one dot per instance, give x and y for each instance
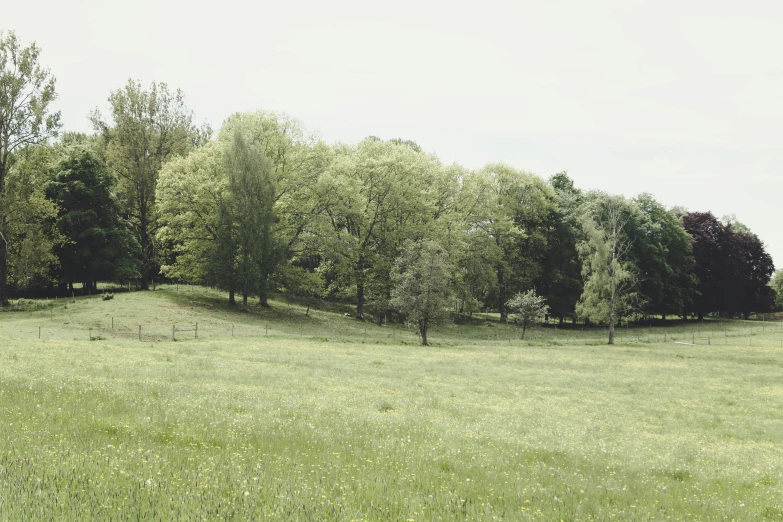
(329, 418)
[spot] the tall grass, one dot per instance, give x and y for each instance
(314, 420)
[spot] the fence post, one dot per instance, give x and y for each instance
(139, 332)
(39, 332)
(112, 323)
(196, 330)
(232, 330)
(694, 338)
(90, 334)
(173, 338)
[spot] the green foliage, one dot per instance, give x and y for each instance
(26, 93)
(777, 285)
(147, 128)
(609, 294)
(97, 244)
(527, 309)
(664, 258)
(506, 221)
(301, 282)
(421, 278)
(27, 217)
(108, 296)
(250, 211)
(375, 196)
(190, 194)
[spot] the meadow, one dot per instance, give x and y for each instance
(277, 415)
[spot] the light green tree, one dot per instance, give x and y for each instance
(26, 94)
(301, 282)
(608, 268)
(147, 128)
(296, 161)
(375, 196)
(30, 215)
(421, 277)
(506, 219)
(527, 309)
(190, 194)
(777, 285)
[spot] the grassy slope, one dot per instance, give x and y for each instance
(318, 420)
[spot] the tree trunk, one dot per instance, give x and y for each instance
(561, 320)
(244, 301)
(3, 273)
(3, 240)
(612, 320)
(611, 332)
(231, 298)
(524, 330)
(701, 315)
(263, 292)
(502, 295)
(360, 299)
(146, 250)
(423, 332)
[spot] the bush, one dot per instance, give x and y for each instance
(107, 297)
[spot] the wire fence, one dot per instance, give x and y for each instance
(64, 327)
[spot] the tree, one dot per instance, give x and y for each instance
(148, 128)
(664, 258)
(506, 212)
(304, 283)
(191, 195)
(421, 276)
(732, 266)
(98, 244)
(26, 92)
(296, 163)
(608, 269)
(753, 272)
(710, 248)
(528, 308)
(560, 280)
(250, 211)
(776, 283)
(376, 195)
(29, 218)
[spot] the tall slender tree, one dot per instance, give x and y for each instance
(608, 268)
(250, 210)
(147, 128)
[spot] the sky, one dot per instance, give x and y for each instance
(681, 99)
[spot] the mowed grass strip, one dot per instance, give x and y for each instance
(314, 429)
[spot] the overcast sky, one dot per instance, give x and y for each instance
(682, 99)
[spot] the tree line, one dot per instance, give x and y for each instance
(263, 206)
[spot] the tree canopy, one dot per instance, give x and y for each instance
(265, 206)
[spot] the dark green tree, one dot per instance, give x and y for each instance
(98, 244)
(664, 258)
